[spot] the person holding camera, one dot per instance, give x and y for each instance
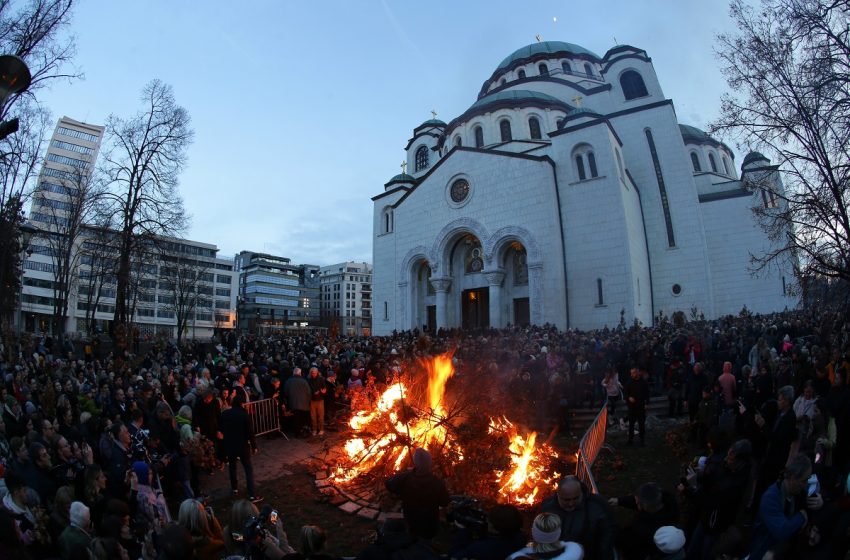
(502, 536)
(784, 509)
(202, 524)
(251, 534)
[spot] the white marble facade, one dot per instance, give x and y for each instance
(569, 193)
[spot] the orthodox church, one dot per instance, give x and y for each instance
(569, 193)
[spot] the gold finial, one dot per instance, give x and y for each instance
(433, 114)
(577, 100)
(538, 37)
(403, 167)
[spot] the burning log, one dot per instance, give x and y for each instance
(478, 452)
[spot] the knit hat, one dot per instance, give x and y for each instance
(572, 551)
(422, 460)
(669, 539)
(141, 469)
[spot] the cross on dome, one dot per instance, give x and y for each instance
(403, 167)
(577, 100)
(433, 114)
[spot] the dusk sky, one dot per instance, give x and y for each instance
(301, 110)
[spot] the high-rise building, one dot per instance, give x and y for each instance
(275, 294)
(155, 302)
(347, 298)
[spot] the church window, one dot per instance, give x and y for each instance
(695, 162)
(544, 70)
(521, 74)
(676, 289)
(712, 162)
(458, 141)
(534, 128)
(599, 299)
(421, 158)
(580, 165)
(588, 70)
(387, 222)
(565, 67)
(502, 82)
(505, 130)
(632, 84)
(479, 137)
(559, 122)
(726, 166)
(520, 265)
(591, 163)
(662, 188)
(386, 311)
(459, 190)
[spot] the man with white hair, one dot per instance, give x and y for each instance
(76, 535)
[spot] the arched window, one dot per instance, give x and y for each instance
(559, 122)
(458, 141)
(565, 67)
(695, 162)
(543, 69)
(588, 70)
(591, 163)
(505, 130)
(421, 158)
(599, 298)
(534, 128)
(387, 220)
(580, 166)
(726, 166)
(479, 137)
(632, 84)
(521, 74)
(712, 163)
(502, 82)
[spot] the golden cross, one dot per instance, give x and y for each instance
(538, 37)
(403, 167)
(577, 100)
(433, 114)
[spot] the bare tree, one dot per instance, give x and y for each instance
(141, 165)
(97, 270)
(788, 68)
(79, 204)
(184, 280)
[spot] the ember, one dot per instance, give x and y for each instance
(387, 427)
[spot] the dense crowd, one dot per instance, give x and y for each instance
(103, 452)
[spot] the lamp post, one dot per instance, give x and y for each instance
(15, 77)
(27, 231)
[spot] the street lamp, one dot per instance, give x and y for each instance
(15, 77)
(27, 231)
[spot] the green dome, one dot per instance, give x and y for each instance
(693, 134)
(517, 95)
(402, 178)
(432, 122)
(754, 156)
(544, 48)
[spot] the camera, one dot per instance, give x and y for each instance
(467, 512)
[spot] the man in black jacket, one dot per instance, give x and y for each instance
(655, 508)
(585, 518)
(422, 494)
(637, 394)
(238, 442)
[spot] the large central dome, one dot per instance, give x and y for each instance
(545, 47)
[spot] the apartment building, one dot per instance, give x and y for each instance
(347, 298)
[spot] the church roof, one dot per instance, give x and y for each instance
(693, 135)
(432, 122)
(517, 96)
(754, 156)
(403, 177)
(545, 48)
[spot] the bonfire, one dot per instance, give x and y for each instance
(479, 450)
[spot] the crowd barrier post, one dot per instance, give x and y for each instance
(264, 416)
(590, 446)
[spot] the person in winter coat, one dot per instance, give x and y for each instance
(585, 518)
(504, 536)
(238, 444)
(298, 396)
(654, 508)
(546, 541)
(669, 544)
(394, 541)
(637, 395)
(422, 494)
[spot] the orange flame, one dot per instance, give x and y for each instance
(529, 471)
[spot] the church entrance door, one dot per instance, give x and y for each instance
(522, 312)
(476, 308)
(432, 318)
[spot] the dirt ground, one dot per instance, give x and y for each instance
(619, 470)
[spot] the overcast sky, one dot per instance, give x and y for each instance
(301, 110)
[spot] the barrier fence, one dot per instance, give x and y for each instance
(265, 415)
(589, 447)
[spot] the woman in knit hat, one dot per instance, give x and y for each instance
(546, 543)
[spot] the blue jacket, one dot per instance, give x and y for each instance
(773, 527)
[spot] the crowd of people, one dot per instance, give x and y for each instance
(103, 452)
